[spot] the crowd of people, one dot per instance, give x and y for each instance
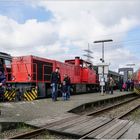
(126, 86)
(121, 85)
(66, 84)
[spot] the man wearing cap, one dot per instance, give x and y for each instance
(2, 83)
(55, 81)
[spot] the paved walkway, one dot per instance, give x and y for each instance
(26, 111)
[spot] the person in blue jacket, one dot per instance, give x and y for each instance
(55, 82)
(2, 83)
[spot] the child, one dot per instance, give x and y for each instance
(124, 86)
(65, 88)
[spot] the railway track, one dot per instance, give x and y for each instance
(121, 115)
(134, 103)
(124, 108)
(30, 134)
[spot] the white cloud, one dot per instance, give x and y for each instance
(86, 21)
(25, 38)
(75, 23)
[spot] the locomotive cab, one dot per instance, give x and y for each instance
(5, 64)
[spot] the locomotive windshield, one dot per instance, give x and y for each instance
(5, 64)
(1, 65)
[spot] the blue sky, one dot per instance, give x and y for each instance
(132, 40)
(75, 24)
(21, 11)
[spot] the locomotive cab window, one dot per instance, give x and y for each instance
(7, 63)
(1, 61)
(1, 64)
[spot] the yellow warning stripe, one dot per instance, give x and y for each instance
(35, 90)
(6, 93)
(29, 98)
(31, 95)
(11, 95)
(26, 98)
(34, 93)
(25, 95)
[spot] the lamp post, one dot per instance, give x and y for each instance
(103, 41)
(102, 80)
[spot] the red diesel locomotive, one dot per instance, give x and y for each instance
(27, 72)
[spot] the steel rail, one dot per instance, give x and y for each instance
(128, 112)
(28, 135)
(110, 107)
(38, 131)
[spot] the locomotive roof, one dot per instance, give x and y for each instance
(5, 55)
